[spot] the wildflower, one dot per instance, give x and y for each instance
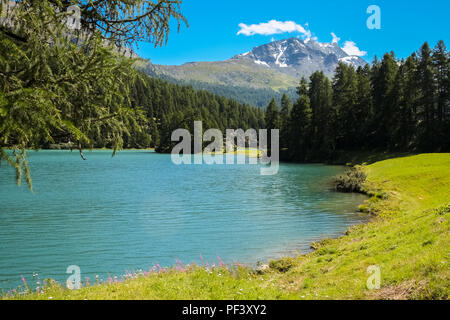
(24, 283)
(221, 264)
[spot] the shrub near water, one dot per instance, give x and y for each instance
(351, 181)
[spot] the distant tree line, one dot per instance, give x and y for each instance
(258, 97)
(169, 107)
(393, 105)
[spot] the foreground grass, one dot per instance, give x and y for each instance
(408, 239)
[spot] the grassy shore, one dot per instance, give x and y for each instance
(408, 240)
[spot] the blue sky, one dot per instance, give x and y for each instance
(214, 25)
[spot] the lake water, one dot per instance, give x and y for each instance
(112, 215)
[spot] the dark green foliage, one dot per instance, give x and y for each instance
(169, 107)
(282, 265)
(273, 119)
(258, 97)
(323, 121)
(351, 181)
(286, 107)
(395, 106)
(299, 126)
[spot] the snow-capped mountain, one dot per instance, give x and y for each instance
(298, 57)
(257, 76)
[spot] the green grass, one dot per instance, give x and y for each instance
(408, 239)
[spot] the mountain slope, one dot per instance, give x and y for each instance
(257, 76)
(299, 58)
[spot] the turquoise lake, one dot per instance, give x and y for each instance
(111, 215)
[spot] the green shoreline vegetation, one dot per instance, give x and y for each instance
(408, 239)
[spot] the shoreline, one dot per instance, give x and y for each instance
(337, 267)
(288, 250)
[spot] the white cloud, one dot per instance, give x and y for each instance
(336, 39)
(273, 27)
(351, 49)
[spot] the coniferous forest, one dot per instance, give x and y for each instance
(169, 107)
(390, 105)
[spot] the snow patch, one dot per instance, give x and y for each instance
(351, 60)
(262, 63)
(277, 57)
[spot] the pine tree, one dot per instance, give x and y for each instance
(300, 124)
(323, 124)
(441, 62)
(273, 119)
(364, 107)
(286, 106)
(384, 77)
(344, 101)
(426, 102)
(407, 98)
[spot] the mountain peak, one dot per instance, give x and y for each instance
(297, 57)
